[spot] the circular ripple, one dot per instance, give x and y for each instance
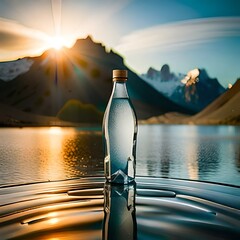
(87, 208)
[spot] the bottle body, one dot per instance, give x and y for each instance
(119, 136)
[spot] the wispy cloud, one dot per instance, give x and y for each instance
(15, 36)
(180, 34)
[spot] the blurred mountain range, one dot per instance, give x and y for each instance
(194, 97)
(74, 85)
(223, 110)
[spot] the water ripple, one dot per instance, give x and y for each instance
(160, 209)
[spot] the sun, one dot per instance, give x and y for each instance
(56, 42)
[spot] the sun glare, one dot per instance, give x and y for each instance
(56, 42)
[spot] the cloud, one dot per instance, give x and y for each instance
(180, 34)
(14, 36)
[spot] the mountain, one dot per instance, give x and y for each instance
(10, 116)
(77, 79)
(194, 97)
(2, 83)
(223, 110)
(10, 70)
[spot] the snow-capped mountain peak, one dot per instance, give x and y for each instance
(12, 69)
(194, 90)
(163, 81)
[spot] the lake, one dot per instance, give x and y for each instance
(205, 153)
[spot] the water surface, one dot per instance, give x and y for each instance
(206, 153)
(88, 208)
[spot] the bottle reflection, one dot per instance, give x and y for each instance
(119, 212)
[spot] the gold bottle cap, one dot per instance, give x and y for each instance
(120, 75)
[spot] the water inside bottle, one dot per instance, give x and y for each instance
(120, 140)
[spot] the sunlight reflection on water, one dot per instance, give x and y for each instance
(40, 154)
(207, 153)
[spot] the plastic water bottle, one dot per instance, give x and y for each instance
(119, 212)
(120, 133)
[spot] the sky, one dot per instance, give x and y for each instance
(185, 34)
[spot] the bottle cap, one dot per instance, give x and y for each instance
(120, 75)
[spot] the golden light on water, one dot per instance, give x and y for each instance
(55, 130)
(191, 155)
(53, 220)
(52, 153)
(52, 160)
(192, 162)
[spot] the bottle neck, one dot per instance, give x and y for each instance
(119, 89)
